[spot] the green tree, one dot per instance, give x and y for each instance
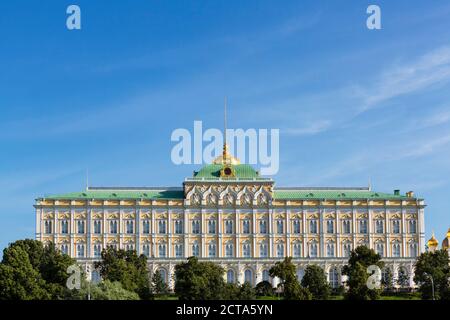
(356, 270)
(403, 278)
(18, 279)
(436, 265)
(46, 266)
(126, 267)
(264, 288)
(196, 280)
(316, 282)
(105, 290)
(387, 279)
(246, 292)
(292, 290)
(158, 286)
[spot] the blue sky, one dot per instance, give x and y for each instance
(350, 103)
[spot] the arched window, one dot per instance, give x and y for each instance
(330, 226)
(48, 226)
(262, 226)
(212, 226)
(379, 226)
(178, 226)
(296, 226)
(195, 249)
(263, 251)
(229, 252)
(396, 226)
(246, 226)
(280, 250)
(412, 226)
(113, 226)
(346, 249)
(212, 249)
(80, 226)
(248, 276)
(297, 250)
(313, 226)
(178, 250)
(130, 226)
(313, 250)
(146, 226)
(346, 226)
(195, 226)
(265, 275)
(380, 249)
(146, 250)
(230, 276)
(413, 250)
(65, 226)
(333, 278)
(80, 250)
(97, 227)
(163, 274)
(162, 226)
(64, 249)
(396, 250)
(162, 250)
(228, 226)
(246, 250)
(330, 250)
(97, 250)
(280, 228)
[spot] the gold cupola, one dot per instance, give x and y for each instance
(446, 241)
(432, 243)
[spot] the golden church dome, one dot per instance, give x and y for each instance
(432, 242)
(446, 241)
(226, 157)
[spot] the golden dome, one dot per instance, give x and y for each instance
(226, 157)
(446, 241)
(432, 242)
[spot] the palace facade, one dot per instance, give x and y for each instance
(227, 213)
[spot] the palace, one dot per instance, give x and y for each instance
(229, 214)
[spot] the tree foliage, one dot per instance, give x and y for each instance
(264, 288)
(316, 282)
(356, 270)
(436, 265)
(196, 280)
(31, 271)
(126, 267)
(104, 290)
(158, 286)
(292, 290)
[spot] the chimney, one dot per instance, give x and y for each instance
(410, 194)
(397, 192)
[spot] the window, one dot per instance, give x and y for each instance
(230, 276)
(380, 249)
(413, 250)
(229, 250)
(363, 226)
(246, 252)
(179, 250)
(162, 250)
(146, 226)
(313, 226)
(212, 226)
(162, 226)
(97, 251)
(195, 226)
(97, 226)
(412, 226)
(280, 250)
(163, 274)
(333, 278)
(396, 250)
(113, 226)
(246, 226)
(297, 250)
(330, 250)
(346, 249)
(64, 249)
(80, 226)
(146, 250)
(48, 226)
(346, 226)
(80, 250)
(313, 250)
(229, 226)
(130, 226)
(262, 226)
(248, 276)
(396, 226)
(379, 226)
(280, 227)
(330, 226)
(296, 226)
(178, 226)
(212, 250)
(263, 250)
(64, 226)
(129, 247)
(195, 250)
(300, 274)
(266, 275)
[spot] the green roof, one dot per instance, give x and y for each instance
(242, 171)
(119, 194)
(334, 194)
